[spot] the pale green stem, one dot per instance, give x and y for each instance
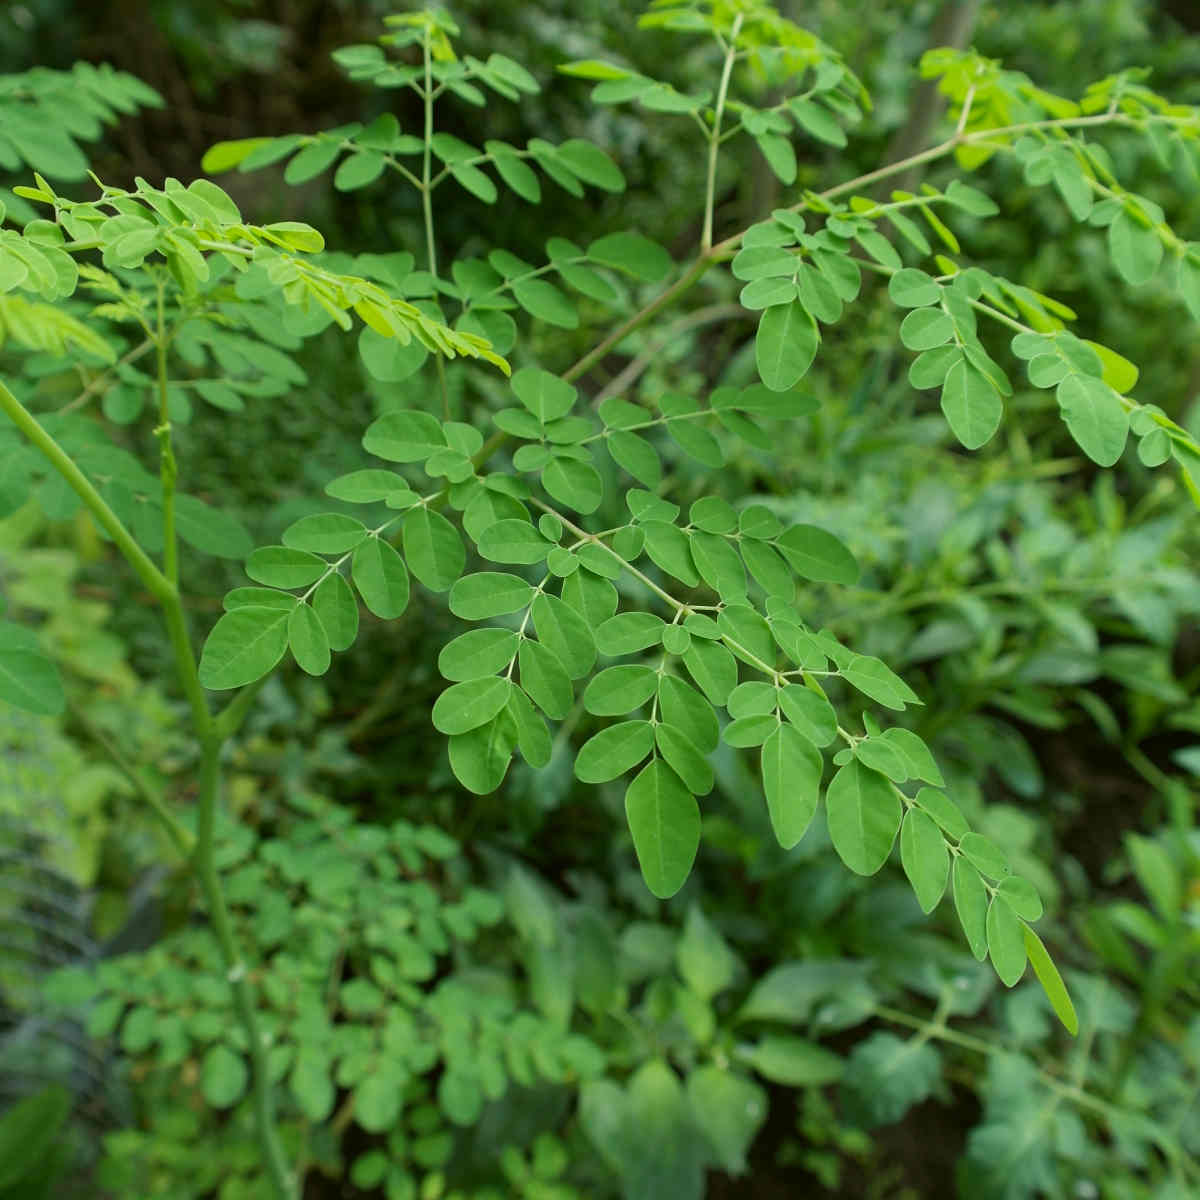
(714, 138)
(168, 470)
(204, 865)
(155, 581)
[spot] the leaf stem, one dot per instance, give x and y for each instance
(714, 139)
(168, 469)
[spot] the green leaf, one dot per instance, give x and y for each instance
(546, 396)
(796, 1062)
(387, 359)
(244, 645)
(489, 594)
(817, 555)
(359, 170)
(664, 820)
(545, 679)
(972, 405)
(28, 680)
(465, 706)
(810, 712)
(971, 902)
(1051, 981)
(477, 653)
(223, 1076)
(1095, 416)
(713, 668)
(377, 1101)
(591, 164)
(719, 565)
(925, 858)
(685, 709)
(917, 756)
(730, 1109)
(379, 574)
(817, 121)
(576, 484)
(334, 603)
(879, 681)
(308, 640)
(1006, 941)
(1136, 251)
(533, 738)
(224, 156)
(316, 157)
(705, 961)
(632, 253)
(1022, 896)
(780, 156)
(515, 173)
(627, 633)
(785, 345)
(987, 858)
(513, 541)
(768, 568)
(1158, 875)
(613, 751)
(325, 533)
(791, 772)
(312, 1086)
(565, 632)
(667, 547)
(619, 690)
(544, 301)
(944, 811)
(925, 328)
(406, 435)
(863, 812)
(433, 549)
(684, 758)
(635, 455)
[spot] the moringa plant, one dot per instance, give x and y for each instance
(541, 506)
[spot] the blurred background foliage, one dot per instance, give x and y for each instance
(1046, 613)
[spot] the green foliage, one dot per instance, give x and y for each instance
(621, 622)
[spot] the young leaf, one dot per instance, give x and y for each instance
(664, 820)
(1051, 981)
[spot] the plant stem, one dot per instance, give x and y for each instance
(426, 189)
(211, 738)
(168, 470)
(714, 138)
(155, 581)
(204, 866)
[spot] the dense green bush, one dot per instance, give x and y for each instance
(511, 1011)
